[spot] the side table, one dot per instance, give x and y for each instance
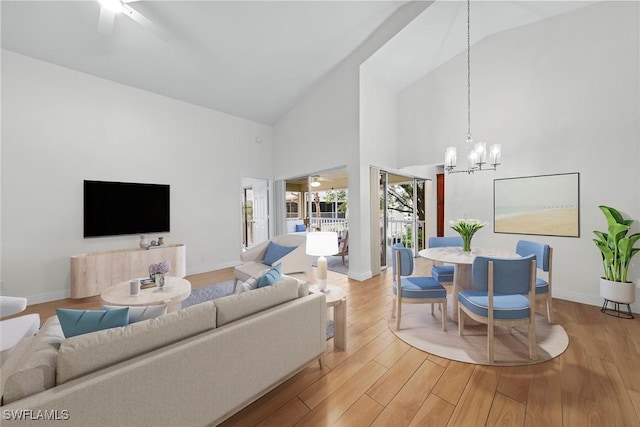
(336, 298)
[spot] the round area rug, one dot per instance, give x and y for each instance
(422, 330)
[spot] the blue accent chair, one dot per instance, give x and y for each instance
(544, 255)
(414, 289)
(498, 298)
(443, 273)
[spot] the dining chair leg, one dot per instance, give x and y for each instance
(549, 309)
(432, 310)
(460, 321)
(533, 354)
(444, 315)
(398, 313)
(393, 308)
(490, 342)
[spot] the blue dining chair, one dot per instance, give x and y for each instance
(414, 289)
(544, 255)
(443, 273)
(498, 299)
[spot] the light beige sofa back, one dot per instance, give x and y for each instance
(196, 381)
(235, 307)
(87, 353)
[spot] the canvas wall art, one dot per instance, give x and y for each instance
(545, 205)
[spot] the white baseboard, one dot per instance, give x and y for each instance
(205, 268)
(360, 276)
(587, 299)
(51, 296)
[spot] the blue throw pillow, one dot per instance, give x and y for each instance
(275, 252)
(270, 277)
(78, 322)
(301, 227)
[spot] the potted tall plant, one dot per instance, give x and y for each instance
(617, 250)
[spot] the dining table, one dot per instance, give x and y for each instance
(462, 262)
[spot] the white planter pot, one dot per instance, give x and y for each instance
(624, 293)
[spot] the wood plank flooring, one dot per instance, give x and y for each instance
(381, 381)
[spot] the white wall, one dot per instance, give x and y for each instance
(560, 95)
(60, 127)
(322, 132)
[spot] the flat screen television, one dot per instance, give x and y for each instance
(117, 208)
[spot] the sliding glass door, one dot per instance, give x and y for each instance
(402, 213)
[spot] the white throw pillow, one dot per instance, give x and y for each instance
(249, 285)
(138, 314)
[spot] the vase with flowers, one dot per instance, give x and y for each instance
(157, 272)
(466, 228)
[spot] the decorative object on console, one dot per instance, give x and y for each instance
(478, 155)
(322, 244)
(160, 240)
(144, 243)
(617, 250)
(466, 228)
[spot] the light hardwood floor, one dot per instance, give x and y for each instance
(382, 381)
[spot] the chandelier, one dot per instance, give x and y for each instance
(478, 159)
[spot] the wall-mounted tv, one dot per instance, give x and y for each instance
(117, 208)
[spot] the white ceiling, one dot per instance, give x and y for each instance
(251, 59)
(440, 33)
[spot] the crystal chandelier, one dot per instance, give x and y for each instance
(478, 159)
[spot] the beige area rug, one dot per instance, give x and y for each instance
(422, 330)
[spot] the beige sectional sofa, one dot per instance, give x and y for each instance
(194, 367)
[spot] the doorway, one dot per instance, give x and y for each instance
(255, 211)
(402, 213)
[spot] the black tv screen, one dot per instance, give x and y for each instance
(116, 208)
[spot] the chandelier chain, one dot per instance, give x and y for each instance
(469, 69)
(480, 159)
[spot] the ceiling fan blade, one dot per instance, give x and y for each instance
(146, 23)
(105, 21)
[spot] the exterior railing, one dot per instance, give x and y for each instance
(323, 224)
(400, 231)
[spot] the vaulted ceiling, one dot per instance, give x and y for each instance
(251, 59)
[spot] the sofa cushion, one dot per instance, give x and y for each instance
(300, 227)
(138, 314)
(272, 276)
(275, 252)
(83, 354)
(234, 307)
(31, 367)
(78, 322)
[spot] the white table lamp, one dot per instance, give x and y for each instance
(321, 244)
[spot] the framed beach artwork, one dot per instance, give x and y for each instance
(547, 205)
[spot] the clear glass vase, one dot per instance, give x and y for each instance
(466, 242)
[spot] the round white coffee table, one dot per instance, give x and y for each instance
(336, 298)
(172, 293)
